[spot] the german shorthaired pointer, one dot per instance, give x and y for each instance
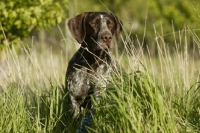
(89, 68)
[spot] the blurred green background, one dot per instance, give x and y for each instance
(44, 21)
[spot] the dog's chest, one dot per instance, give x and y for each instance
(102, 74)
(82, 80)
(98, 77)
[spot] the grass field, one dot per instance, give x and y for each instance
(148, 94)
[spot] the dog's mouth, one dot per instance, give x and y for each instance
(105, 45)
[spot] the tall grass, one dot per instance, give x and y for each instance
(147, 94)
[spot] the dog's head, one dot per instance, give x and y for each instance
(95, 30)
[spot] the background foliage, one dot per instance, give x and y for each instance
(20, 17)
(142, 19)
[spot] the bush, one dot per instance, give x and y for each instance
(19, 17)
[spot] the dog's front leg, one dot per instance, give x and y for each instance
(87, 121)
(75, 108)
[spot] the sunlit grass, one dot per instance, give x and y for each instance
(147, 94)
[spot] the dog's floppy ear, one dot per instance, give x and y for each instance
(118, 28)
(77, 27)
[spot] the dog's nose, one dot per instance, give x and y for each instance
(106, 37)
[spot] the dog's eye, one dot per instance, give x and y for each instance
(93, 24)
(110, 25)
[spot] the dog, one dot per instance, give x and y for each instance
(89, 69)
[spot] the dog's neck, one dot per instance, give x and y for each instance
(95, 57)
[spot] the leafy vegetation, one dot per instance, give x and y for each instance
(19, 17)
